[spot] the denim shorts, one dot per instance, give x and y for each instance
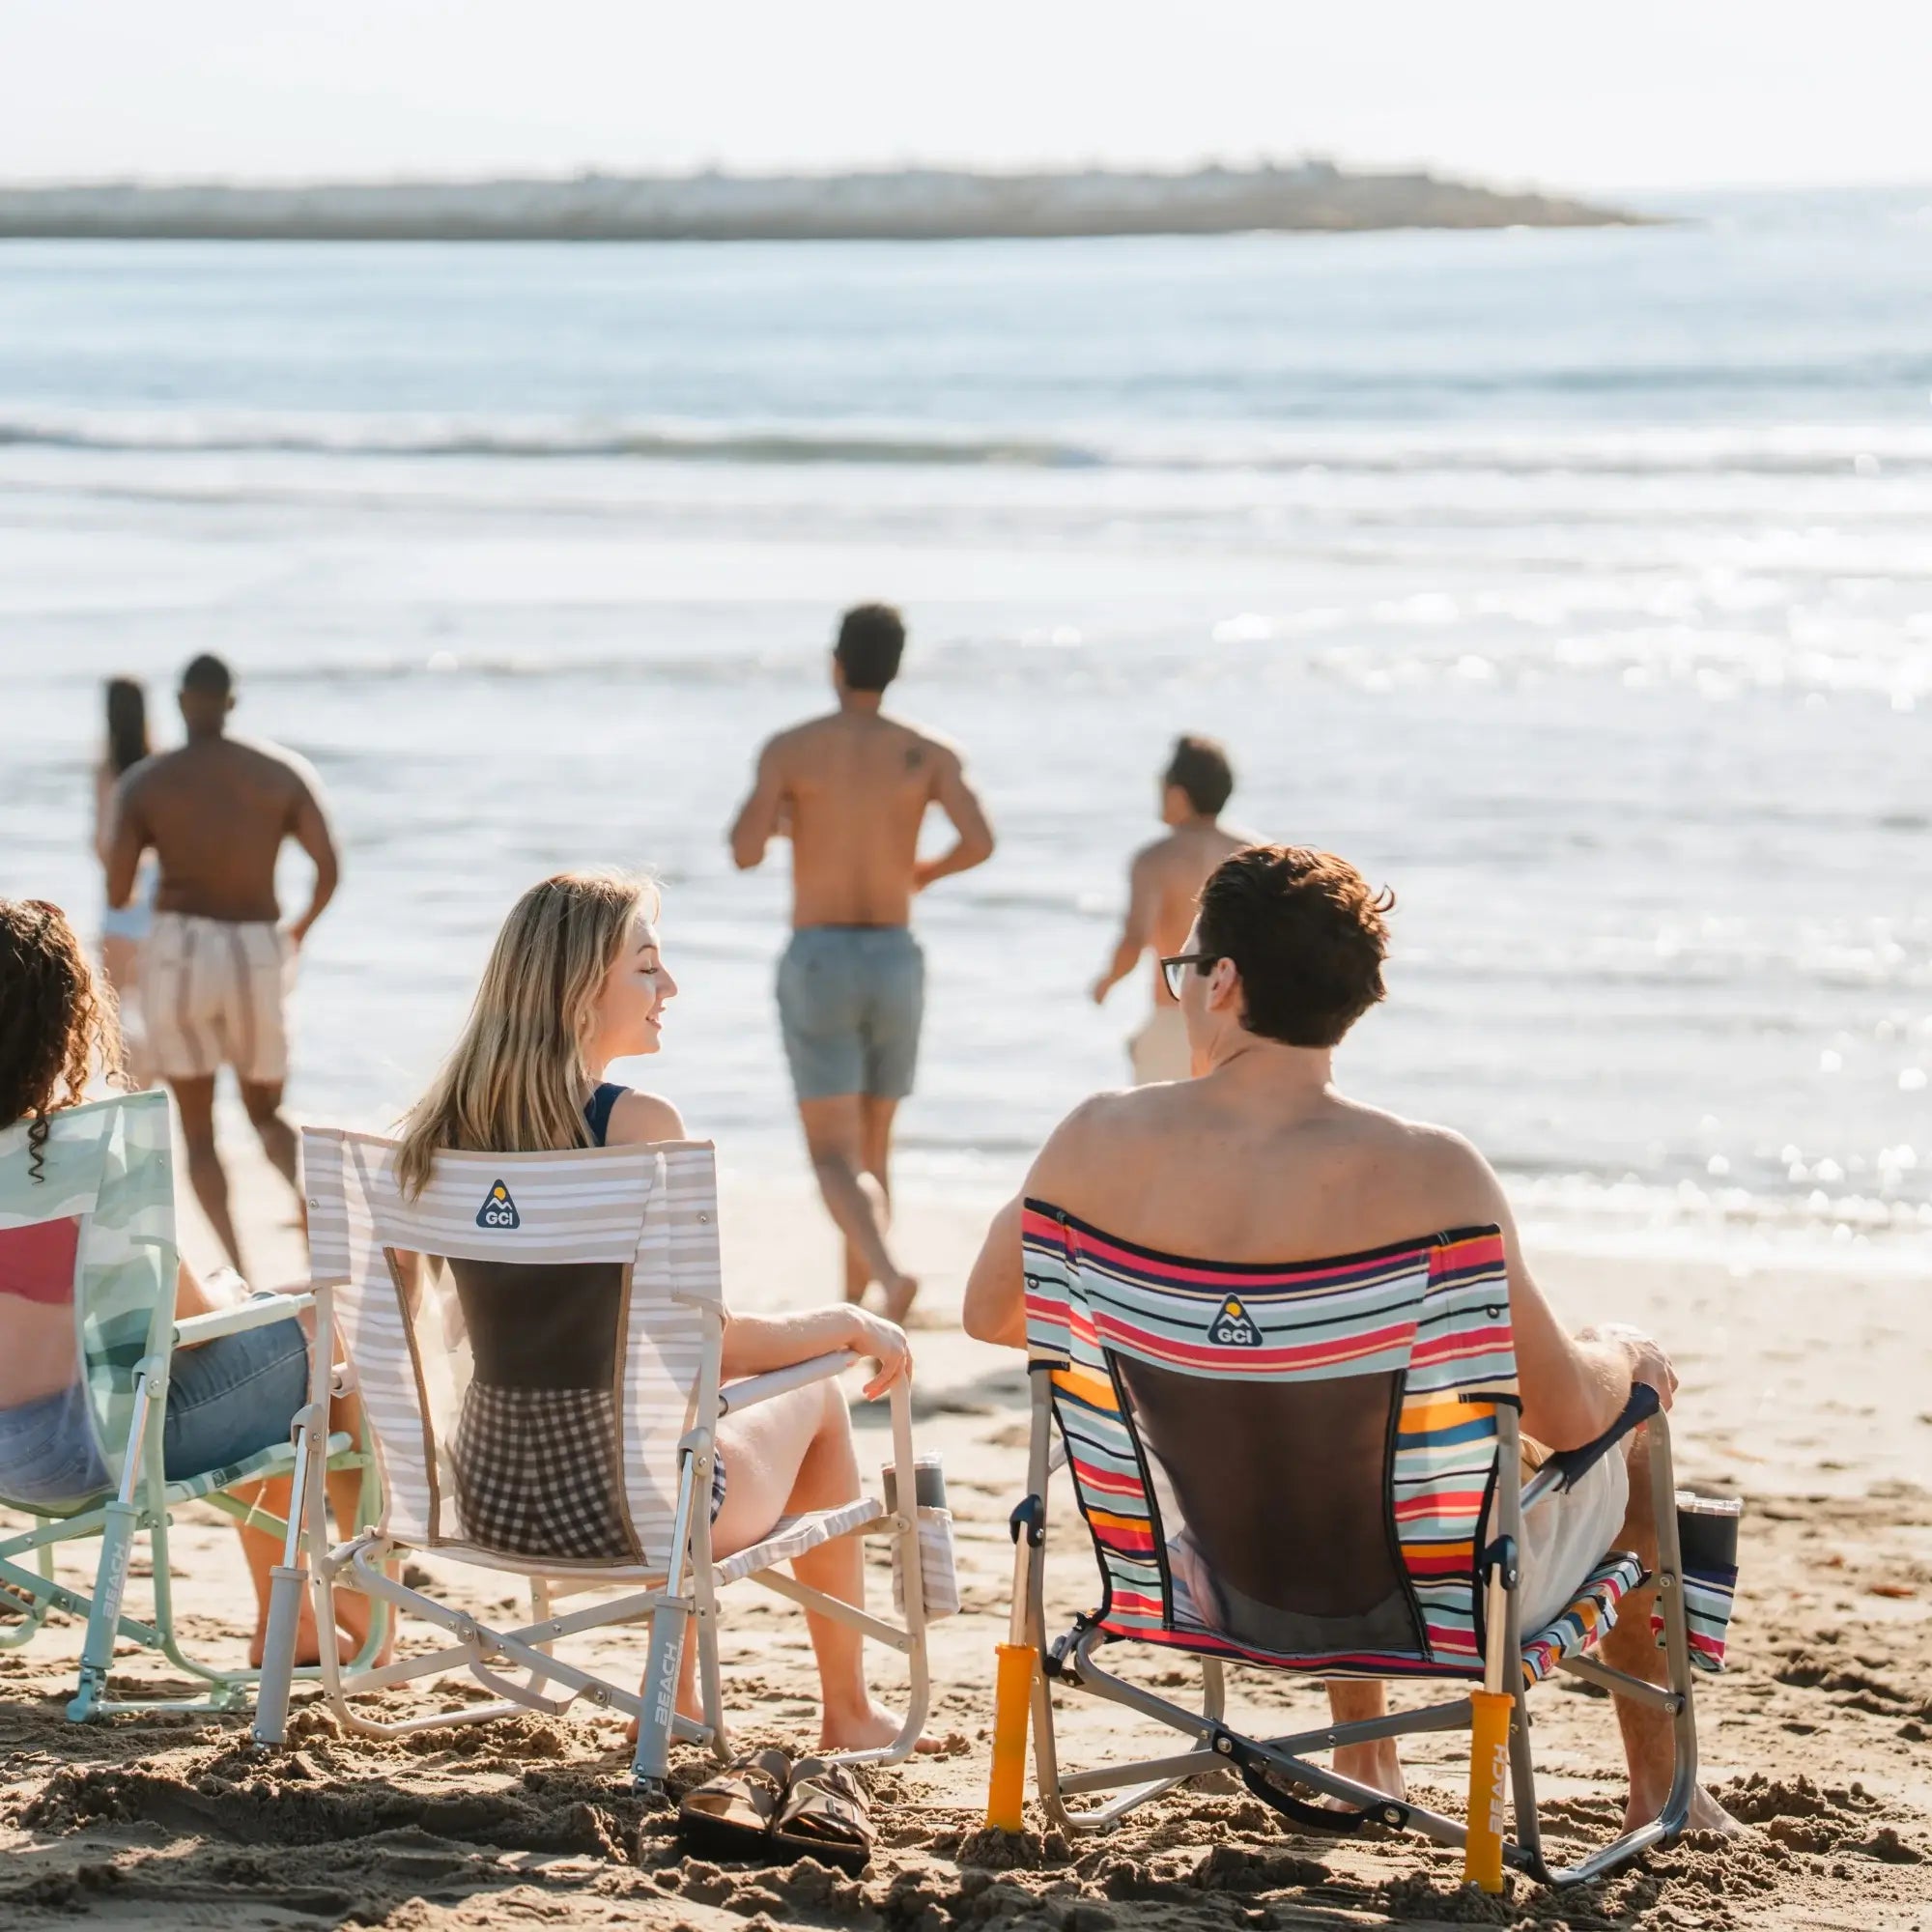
(227, 1400)
(850, 1002)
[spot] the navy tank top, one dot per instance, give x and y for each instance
(597, 1109)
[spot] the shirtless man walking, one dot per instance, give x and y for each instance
(850, 790)
(217, 965)
(1163, 882)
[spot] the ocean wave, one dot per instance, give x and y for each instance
(1836, 451)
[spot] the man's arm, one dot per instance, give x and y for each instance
(761, 818)
(960, 803)
(1574, 1386)
(995, 1305)
(312, 833)
(1137, 928)
(127, 840)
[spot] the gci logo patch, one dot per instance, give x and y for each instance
(1235, 1327)
(499, 1211)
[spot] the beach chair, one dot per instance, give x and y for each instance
(537, 1341)
(1312, 1470)
(97, 1227)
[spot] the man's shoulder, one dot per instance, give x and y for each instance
(1432, 1166)
(1090, 1140)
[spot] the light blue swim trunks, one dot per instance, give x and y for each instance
(850, 1002)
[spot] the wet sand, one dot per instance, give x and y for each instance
(1806, 1396)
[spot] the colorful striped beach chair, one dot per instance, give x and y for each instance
(537, 1341)
(93, 1238)
(1311, 1469)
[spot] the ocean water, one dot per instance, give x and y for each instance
(1577, 584)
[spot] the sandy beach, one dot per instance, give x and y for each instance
(1805, 1394)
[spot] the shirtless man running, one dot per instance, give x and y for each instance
(851, 790)
(1163, 882)
(217, 965)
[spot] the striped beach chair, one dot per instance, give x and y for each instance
(1311, 1469)
(87, 1231)
(537, 1344)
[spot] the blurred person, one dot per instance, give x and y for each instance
(217, 965)
(576, 980)
(229, 1397)
(123, 928)
(1163, 882)
(850, 790)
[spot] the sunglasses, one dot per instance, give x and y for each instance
(1170, 967)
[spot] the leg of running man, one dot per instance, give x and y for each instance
(195, 1098)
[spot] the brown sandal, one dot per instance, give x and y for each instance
(826, 1816)
(730, 1816)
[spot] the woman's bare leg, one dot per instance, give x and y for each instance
(782, 1458)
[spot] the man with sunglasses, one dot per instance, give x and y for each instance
(1260, 1162)
(1162, 884)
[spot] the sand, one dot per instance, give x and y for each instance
(1806, 1395)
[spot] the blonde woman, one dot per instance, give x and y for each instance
(575, 981)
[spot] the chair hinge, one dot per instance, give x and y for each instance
(1030, 1516)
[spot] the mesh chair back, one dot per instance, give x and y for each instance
(1288, 1464)
(93, 1238)
(527, 1336)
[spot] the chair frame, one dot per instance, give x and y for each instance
(670, 1601)
(145, 1500)
(1069, 1662)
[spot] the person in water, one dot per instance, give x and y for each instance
(228, 1397)
(576, 980)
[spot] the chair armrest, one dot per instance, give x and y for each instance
(734, 1396)
(257, 1311)
(1566, 1469)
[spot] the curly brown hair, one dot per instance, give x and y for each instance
(56, 1020)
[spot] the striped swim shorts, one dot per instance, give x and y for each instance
(212, 994)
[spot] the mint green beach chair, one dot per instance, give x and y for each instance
(106, 1170)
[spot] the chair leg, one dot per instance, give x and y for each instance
(650, 1763)
(39, 1604)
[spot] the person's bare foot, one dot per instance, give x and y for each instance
(901, 1292)
(1706, 1814)
(351, 1632)
(1377, 1764)
(871, 1728)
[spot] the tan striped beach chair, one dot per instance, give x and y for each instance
(537, 1344)
(91, 1216)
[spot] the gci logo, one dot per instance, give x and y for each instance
(499, 1211)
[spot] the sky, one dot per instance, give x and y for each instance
(1642, 96)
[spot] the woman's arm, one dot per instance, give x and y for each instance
(754, 1344)
(757, 1343)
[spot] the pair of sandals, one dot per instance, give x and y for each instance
(767, 1808)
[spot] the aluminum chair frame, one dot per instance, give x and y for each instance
(142, 1499)
(670, 1601)
(1068, 1663)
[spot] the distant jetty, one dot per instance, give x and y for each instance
(902, 205)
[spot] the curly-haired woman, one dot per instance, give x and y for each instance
(228, 1398)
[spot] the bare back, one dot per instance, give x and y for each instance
(855, 787)
(216, 812)
(1172, 871)
(1194, 1168)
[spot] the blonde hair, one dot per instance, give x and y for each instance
(517, 1079)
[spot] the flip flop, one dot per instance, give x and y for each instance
(826, 1816)
(730, 1816)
